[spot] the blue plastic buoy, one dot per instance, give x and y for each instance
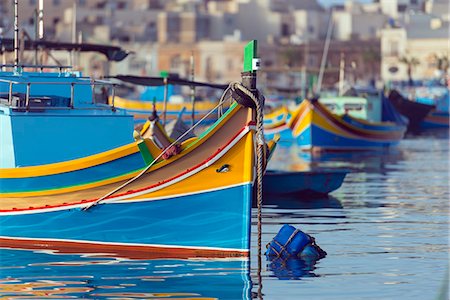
(292, 242)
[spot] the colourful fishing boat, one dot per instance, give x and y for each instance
(189, 199)
(141, 110)
(158, 93)
(313, 126)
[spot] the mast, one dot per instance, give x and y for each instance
(16, 34)
(41, 20)
(192, 89)
(341, 74)
(325, 53)
(74, 32)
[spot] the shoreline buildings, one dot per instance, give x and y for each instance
(372, 39)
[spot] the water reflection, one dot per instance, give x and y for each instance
(385, 231)
(33, 275)
(299, 202)
(290, 157)
(292, 268)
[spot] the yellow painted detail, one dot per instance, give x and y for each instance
(71, 188)
(70, 165)
(148, 105)
(304, 121)
(145, 127)
(276, 113)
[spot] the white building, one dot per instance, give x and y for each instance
(421, 40)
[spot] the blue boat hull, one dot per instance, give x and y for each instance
(308, 182)
(216, 220)
(315, 136)
(436, 120)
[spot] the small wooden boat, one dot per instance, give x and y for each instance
(191, 199)
(315, 127)
(304, 183)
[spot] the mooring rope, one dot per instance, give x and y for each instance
(160, 155)
(259, 171)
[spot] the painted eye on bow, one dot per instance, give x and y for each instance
(223, 169)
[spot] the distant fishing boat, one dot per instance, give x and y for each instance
(439, 96)
(436, 119)
(169, 108)
(141, 110)
(72, 177)
(314, 126)
(416, 112)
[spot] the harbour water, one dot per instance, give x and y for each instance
(386, 232)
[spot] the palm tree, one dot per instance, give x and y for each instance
(442, 64)
(410, 63)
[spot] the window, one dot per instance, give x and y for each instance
(285, 30)
(353, 106)
(393, 48)
(331, 107)
(175, 62)
(230, 64)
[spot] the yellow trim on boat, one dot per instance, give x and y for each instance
(70, 165)
(148, 105)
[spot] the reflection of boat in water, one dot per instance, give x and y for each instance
(367, 161)
(299, 202)
(290, 157)
(141, 197)
(291, 268)
(38, 275)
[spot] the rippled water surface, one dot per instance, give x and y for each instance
(385, 231)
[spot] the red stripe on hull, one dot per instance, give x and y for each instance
(119, 251)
